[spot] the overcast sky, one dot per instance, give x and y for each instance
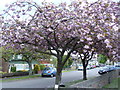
(4, 2)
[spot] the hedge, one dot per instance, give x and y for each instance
(14, 74)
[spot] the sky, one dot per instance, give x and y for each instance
(5, 2)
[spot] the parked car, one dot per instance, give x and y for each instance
(97, 65)
(49, 71)
(106, 69)
(103, 70)
(111, 68)
(117, 66)
(93, 66)
(80, 67)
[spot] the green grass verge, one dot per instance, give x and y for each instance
(68, 70)
(113, 84)
(20, 78)
(73, 82)
(76, 81)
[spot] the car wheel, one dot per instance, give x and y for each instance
(42, 75)
(52, 75)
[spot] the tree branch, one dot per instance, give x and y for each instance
(66, 45)
(69, 53)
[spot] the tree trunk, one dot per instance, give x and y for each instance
(5, 66)
(58, 78)
(30, 68)
(58, 75)
(84, 73)
(76, 66)
(112, 62)
(84, 70)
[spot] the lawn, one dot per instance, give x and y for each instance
(114, 84)
(73, 82)
(20, 78)
(68, 71)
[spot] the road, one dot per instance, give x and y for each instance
(47, 82)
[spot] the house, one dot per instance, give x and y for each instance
(46, 63)
(16, 60)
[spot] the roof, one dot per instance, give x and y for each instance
(44, 62)
(22, 62)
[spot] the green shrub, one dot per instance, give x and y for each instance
(14, 74)
(22, 70)
(13, 69)
(42, 67)
(2, 72)
(36, 68)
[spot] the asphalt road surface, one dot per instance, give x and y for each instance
(47, 82)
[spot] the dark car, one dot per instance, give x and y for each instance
(103, 70)
(49, 71)
(106, 69)
(117, 66)
(111, 68)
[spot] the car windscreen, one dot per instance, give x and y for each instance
(47, 68)
(104, 68)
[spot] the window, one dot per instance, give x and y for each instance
(19, 56)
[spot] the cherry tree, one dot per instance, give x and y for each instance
(102, 32)
(47, 29)
(55, 29)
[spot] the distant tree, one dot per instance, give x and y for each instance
(102, 58)
(54, 61)
(68, 63)
(5, 56)
(6, 53)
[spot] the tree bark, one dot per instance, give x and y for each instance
(5, 66)
(58, 77)
(58, 74)
(30, 68)
(84, 70)
(60, 64)
(84, 73)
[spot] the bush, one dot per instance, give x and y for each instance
(36, 68)
(14, 74)
(22, 71)
(13, 69)
(42, 67)
(2, 72)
